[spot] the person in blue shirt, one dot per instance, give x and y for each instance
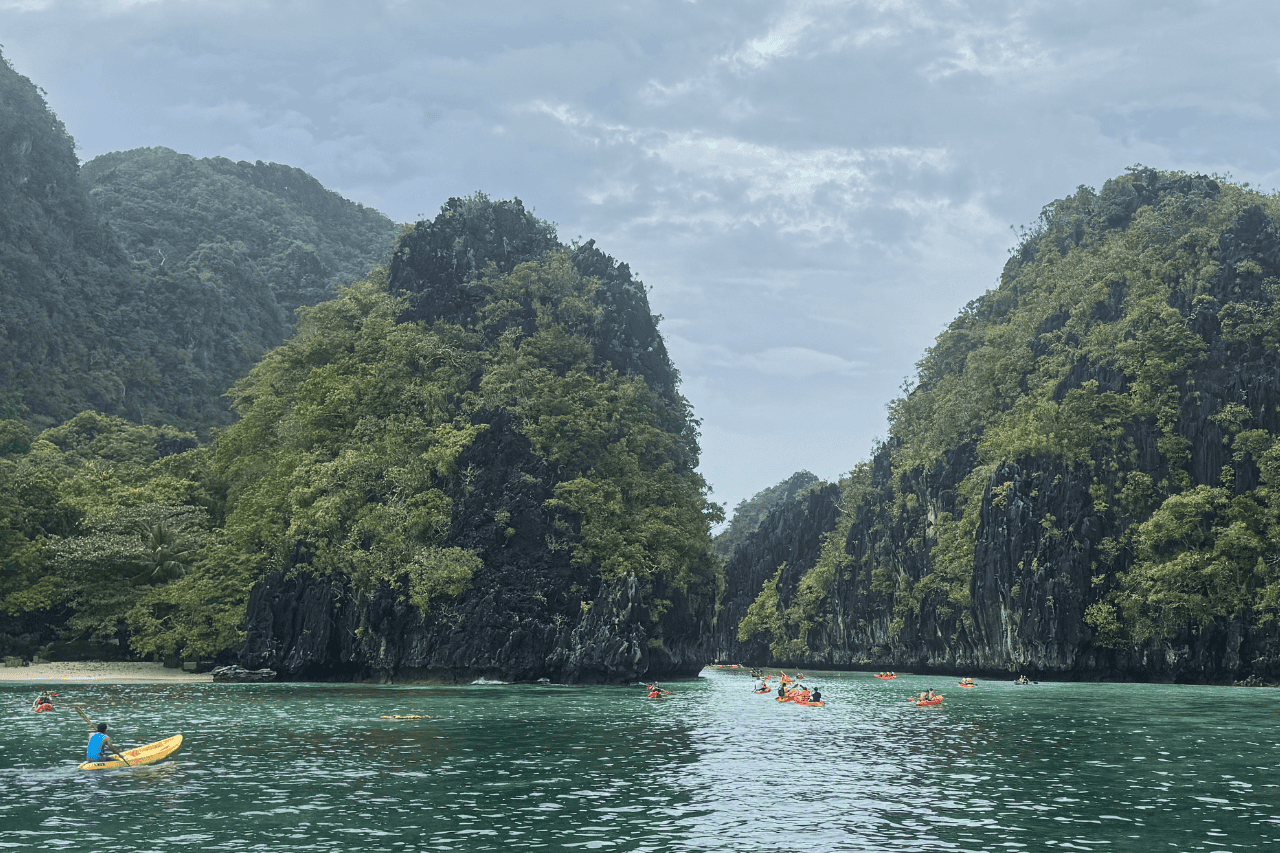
(100, 747)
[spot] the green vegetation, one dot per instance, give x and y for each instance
(248, 228)
(1101, 366)
(146, 283)
(749, 513)
(95, 516)
(345, 462)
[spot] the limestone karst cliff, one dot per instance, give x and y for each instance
(1082, 482)
(559, 529)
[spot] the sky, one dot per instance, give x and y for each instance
(812, 190)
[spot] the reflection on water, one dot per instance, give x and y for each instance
(318, 767)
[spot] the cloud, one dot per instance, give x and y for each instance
(793, 362)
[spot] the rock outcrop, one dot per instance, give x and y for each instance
(534, 608)
(1028, 544)
(790, 534)
(239, 675)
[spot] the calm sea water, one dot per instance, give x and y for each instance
(516, 767)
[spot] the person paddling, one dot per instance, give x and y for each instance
(100, 747)
(816, 696)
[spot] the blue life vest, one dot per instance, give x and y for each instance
(95, 750)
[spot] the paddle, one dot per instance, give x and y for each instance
(85, 717)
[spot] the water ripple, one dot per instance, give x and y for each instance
(502, 767)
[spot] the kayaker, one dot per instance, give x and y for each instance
(804, 694)
(816, 696)
(45, 698)
(99, 748)
(759, 685)
(782, 690)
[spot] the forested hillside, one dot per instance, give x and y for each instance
(495, 480)
(1083, 480)
(65, 284)
(256, 227)
(474, 461)
(749, 513)
(97, 516)
(145, 284)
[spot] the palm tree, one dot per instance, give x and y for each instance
(166, 554)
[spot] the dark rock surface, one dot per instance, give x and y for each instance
(239, 675)
(528, 615)
(791, 533)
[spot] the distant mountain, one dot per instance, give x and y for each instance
(261, 224)
(146, 283)
(1085, 481)
(65, 283)
(749, 513)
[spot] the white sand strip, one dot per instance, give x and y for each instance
(98, 672)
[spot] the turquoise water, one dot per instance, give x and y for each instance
(522, 767)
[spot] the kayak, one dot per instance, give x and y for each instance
(885, 677)
(148, 754)
(45, 707)
(937, 700)
(766, 690)
(965, 686)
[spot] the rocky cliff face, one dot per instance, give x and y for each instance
(792, 534)
(531, 611)
(526, 616)
(1057, 545)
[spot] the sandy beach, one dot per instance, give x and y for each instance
(98, 672)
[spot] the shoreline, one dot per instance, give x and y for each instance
(99, 672)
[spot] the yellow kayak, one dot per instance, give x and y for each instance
(149, 754)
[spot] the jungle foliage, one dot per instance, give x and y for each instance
(97, 515)
(344, 458)
(344, 462)
(1128, 356)
(146, 283)
(750, 512)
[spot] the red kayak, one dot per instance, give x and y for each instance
(937, 700)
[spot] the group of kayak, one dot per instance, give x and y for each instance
(789, 690)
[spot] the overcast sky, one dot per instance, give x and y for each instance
(812, 190)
